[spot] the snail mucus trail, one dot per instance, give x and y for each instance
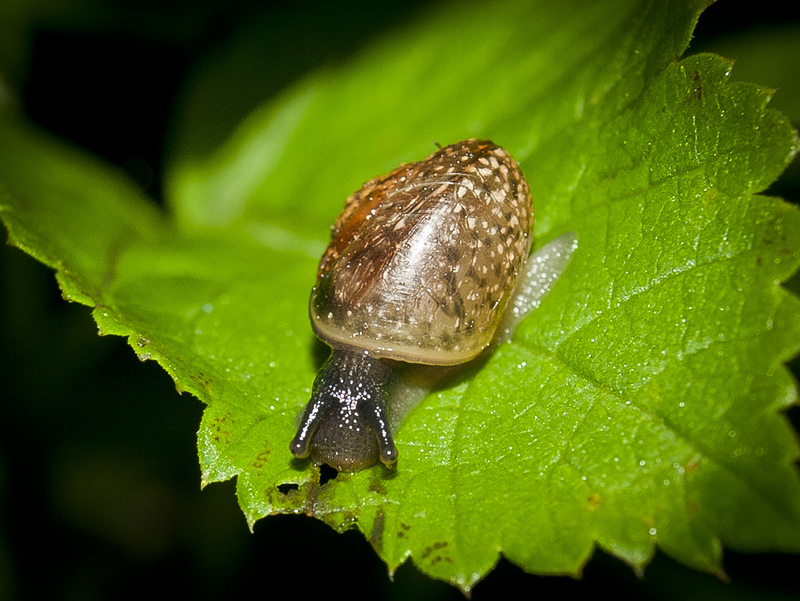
(426, 266)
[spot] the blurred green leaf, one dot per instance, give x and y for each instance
(639, 406)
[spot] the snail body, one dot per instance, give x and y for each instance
(421, 268)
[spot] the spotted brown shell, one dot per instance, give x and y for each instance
(423, 261)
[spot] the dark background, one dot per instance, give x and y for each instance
(99, 477)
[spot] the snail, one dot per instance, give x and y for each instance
(425, 271)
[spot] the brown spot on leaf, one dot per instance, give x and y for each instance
(435, 547)
(220, 429)
(202, 381)
(377, 487)
(403, 529)
(376, 536)
(261, 459)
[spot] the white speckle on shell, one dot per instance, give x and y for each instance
(440, 256)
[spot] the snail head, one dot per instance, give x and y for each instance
(345, 424)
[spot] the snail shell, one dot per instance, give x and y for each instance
(420, 269)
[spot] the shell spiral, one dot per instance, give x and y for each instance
(424, 260)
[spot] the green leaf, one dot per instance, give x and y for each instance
(640, 405)
(770, 56)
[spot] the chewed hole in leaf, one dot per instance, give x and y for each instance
(327, 474)
(287, 488)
